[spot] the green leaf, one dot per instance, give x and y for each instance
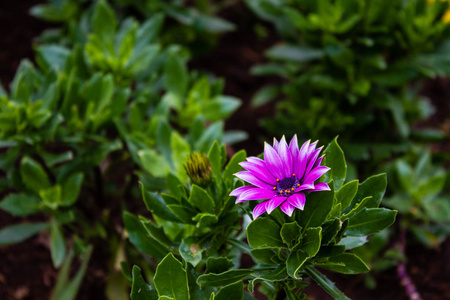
(70, 189)
(265, 255)
(140, 290)
(180, 151)
(311, 241)
(329, 230)
(224, 278)
(231, 291)
(326, 284)
(374, 186)
(176, 76)
(233, 166)
(170, 279)
(33, 175)
(20, 204)
(201, 199)
(218, 264)
(214, 157)
(163, 134)
(156, 205)
(57, 244)
(361, 205)
(294, 53)
(351, 242)
(140, 237)
(279, 274)
(52, 196)
(65, 288)
(265, 95)
(264, 232)
(317, 207)
(370, 221)
(346, 193)
(346, 263)
(18, 233)
(183, 213)
(154, 163)
(221, 107)
(104, 21)
(290, 233)
(205, 220)
(295, 262)
(335, 159)
(213, 133)
(190, 251)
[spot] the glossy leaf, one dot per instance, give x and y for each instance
(264, 232)
(295, 262)
(140, 290)
(170, 279)
(335, 159)
(224, 278)
(201, 199)
(347, 263)
(231, 291)
(370, 221)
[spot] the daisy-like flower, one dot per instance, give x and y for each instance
(283, 177)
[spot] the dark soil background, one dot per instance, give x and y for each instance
(26, 270)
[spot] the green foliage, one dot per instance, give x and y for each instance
(285, 249)
(338, 77)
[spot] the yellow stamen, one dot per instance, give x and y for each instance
(293, 174)
(292, 189)
(281, 192)
(278, 179)
(274, 188)
(298, 184)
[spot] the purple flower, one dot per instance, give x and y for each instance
(283, 177)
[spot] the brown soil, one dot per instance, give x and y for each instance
(26, 270)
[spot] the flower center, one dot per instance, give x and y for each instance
(287, 186)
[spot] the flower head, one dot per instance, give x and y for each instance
(283, 177)
(199, 169)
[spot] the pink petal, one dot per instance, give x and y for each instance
(273, 162)
(300, 162)
(285, 156)
(305, 186)
(297, 200)
(274, 203)
(318, 161)
(312, 147)
(256, 160)
(312, 160)
(275, 144)
(321, 186)
(259, 209)
(250, 178)
(259, 171)
(316, 173)
(256, 194)
(287, 208)
(240, 190)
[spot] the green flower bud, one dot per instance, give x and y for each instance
(199, 169)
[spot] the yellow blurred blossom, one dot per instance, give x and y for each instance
(446, 16)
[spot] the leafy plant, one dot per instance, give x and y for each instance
(199, 227)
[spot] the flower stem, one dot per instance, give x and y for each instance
(402, 273)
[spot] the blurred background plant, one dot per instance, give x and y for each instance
(92, 115)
